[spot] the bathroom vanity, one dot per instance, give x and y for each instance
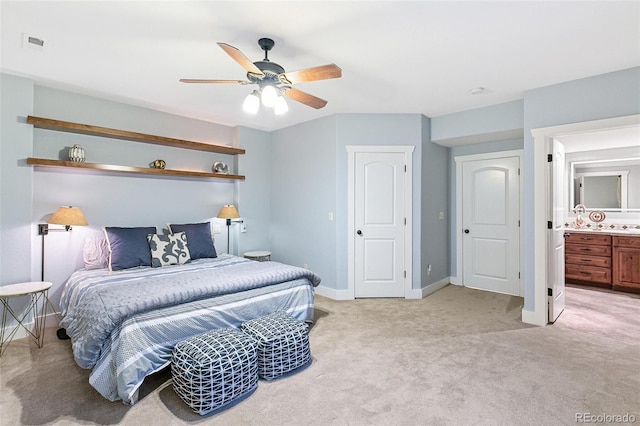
(607, 259)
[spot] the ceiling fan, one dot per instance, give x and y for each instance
(273, 81)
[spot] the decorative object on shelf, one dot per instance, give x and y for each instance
(158, 164)
(76, 153)
(579, 209)
(228, 212)
(597, 216)
(220, 167)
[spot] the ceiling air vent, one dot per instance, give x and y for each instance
(32, 42)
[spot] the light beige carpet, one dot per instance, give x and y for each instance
(457, 357)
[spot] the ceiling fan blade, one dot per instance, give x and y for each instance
(322, 72)
(305, 98)
(240, 58)
(195, 80)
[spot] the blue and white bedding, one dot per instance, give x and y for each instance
(124, 324)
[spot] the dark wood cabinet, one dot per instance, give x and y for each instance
(626, 263)
(588, 259)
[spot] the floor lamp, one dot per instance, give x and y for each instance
(228, 212)
(66, 215)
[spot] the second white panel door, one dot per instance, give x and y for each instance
(380, 224)
(490, 212)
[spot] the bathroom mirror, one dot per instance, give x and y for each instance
(611, 185)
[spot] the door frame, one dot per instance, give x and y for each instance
(352, 150)
(459, 160)
(541, 200)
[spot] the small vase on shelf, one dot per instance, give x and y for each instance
(76, 154)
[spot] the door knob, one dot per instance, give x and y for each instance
(466, 231)
(359, 232)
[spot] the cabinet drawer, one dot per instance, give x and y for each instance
(588, 249)
(588, 238)
(623, 241)
(599, 261)
(588, 273)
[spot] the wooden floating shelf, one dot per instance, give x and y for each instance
(85, 129)
(43, 162)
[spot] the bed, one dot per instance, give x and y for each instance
(124, 323)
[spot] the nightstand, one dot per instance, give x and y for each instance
(38, 293)
(260, 256)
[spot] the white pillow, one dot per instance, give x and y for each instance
(96, 253)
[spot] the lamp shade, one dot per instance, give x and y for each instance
(228, 212)
(281, 106)
(68, 216)
(251, 103)
(269, 96)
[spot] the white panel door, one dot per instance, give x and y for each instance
(379, 224)
(490, 216)
(556, 250)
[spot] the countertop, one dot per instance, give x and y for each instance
(630, 232)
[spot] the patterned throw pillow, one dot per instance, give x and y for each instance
(168, 249)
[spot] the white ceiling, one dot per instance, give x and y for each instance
(397, 56)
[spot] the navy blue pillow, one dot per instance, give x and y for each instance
(198, 239)
(128, 247)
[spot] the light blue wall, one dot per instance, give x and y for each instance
(309, 181)
(303, 193)
(378, 129)
(494, 119)
(435, 194)
(113, 199)
(16, 228)
(295, 176)
(254, 193)
(604, 96)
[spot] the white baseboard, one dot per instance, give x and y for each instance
(414, 293)
(432, 288)
(534, 318)
(51, 320)
(332, 293)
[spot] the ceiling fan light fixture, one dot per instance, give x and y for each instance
(281, 106)
(269, 96)
(251, 103)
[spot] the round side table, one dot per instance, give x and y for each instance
(38, 293)
(260, 256)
